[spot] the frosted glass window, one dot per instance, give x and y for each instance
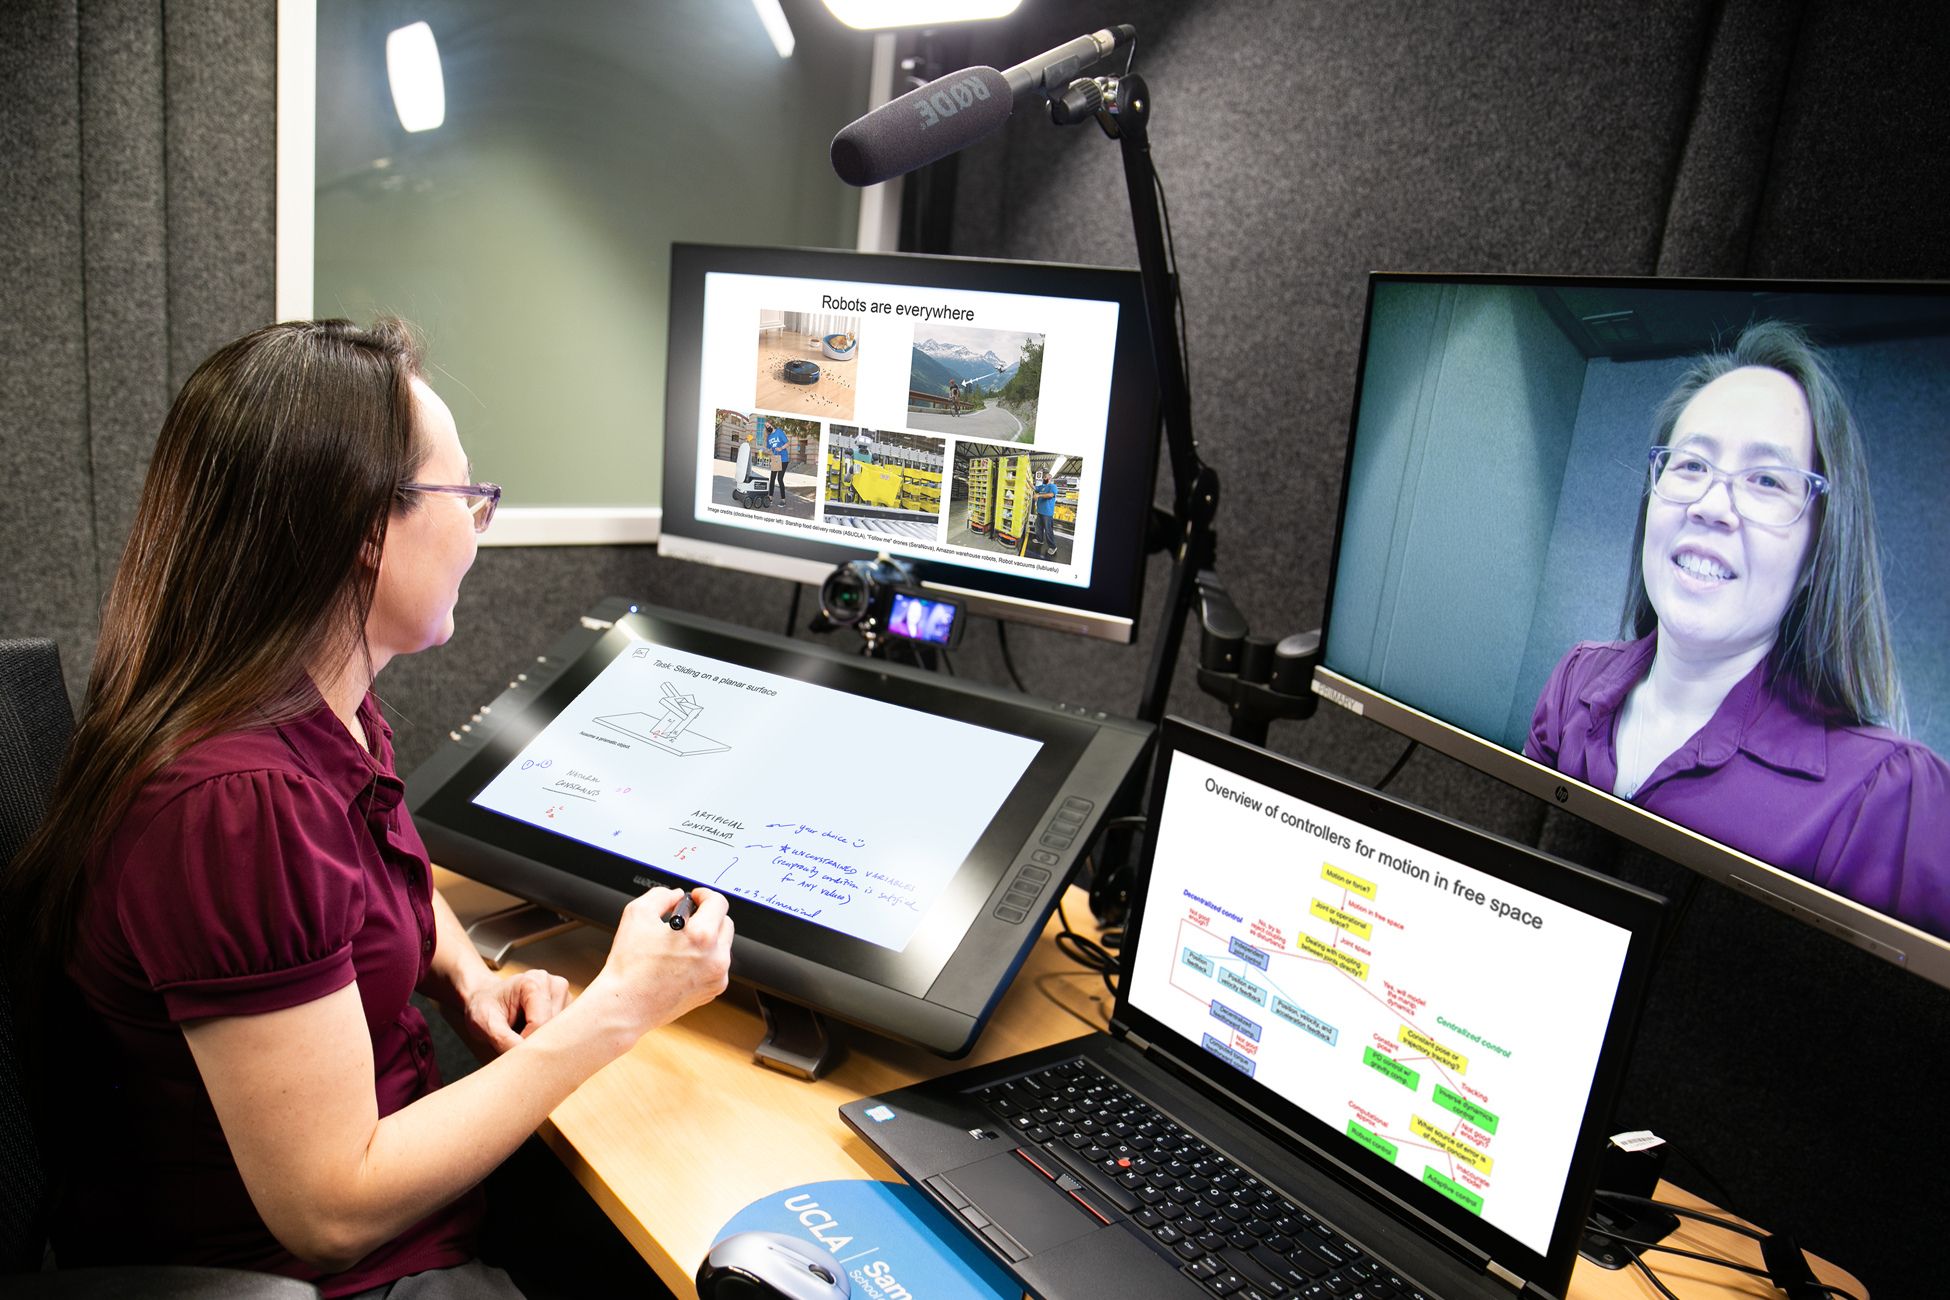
(529, 234)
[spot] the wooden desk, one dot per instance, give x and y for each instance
(685, 1131)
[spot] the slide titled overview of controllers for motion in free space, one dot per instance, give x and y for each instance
(1437, 1016)
(753, 784)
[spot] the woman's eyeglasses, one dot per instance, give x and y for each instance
(1770, 495)
(482, 498)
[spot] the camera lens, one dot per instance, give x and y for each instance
(845, 594)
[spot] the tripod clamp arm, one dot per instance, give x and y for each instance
(1259, 679)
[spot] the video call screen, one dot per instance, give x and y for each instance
(1687, 544)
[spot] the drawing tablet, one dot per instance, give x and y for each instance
(891, 840)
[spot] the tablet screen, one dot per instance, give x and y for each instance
(848, 812)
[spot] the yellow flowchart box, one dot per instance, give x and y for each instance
(1435, 1051)
(1341, 960)
(1454, 1146)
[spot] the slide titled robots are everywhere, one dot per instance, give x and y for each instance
(1438, 1017)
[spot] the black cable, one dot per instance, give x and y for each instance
(1646, 1269)
(1717, 1221)
(1002, 639)
(1400, 763)
(792, 614)
(1110, 888)
(1644, 1246)
(1723, 1198)
(947, 666)
(1627, 1243)
(1085, 952)
(1687, 1211)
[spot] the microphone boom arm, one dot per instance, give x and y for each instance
(1122, 105)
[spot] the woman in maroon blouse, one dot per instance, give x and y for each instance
(228, 881)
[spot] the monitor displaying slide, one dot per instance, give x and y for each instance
(1387, 990)
(1443, 1014)
(891, 841)
(994, 423)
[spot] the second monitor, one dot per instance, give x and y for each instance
(994, 423)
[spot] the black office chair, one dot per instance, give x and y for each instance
(35, 724)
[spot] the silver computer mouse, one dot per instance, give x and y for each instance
(770, 1264)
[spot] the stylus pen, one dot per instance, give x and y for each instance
(685, 906)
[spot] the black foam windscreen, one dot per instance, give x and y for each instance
(925, 124)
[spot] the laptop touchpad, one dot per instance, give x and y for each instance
(1021, 1202)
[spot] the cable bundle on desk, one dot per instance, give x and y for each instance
(1785, 1266)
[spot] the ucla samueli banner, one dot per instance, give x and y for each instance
(889, 1240)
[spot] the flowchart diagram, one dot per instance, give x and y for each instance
(1393, 994)
(1257, 982)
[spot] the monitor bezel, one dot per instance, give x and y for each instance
(1874, 932)
(1639, 912)
(1107, 609)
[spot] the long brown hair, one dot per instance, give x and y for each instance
(1834, 645)
(252, 557)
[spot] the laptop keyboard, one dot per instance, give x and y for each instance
(1219, 1225)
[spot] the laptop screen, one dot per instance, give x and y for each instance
(1439, 1002)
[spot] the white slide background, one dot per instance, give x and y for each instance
(1073, 411)
(849, 812)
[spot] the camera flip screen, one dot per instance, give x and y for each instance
(927, 619)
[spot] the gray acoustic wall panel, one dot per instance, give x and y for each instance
(47, 562)
(220, 142)
(1723, 166)
(125, 259)
(1858, 183)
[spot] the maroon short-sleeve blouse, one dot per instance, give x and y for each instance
(261, 870)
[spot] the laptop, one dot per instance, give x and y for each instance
(1358, 1049)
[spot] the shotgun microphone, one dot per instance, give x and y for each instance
(952, 112)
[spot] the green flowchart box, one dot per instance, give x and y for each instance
(1458, 1104)
(1407, 1078)
(1373, 1141)
(1454, 1190)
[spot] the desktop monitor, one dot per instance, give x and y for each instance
(1673, 555)
(830, 406)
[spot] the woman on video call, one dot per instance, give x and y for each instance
(227, 906)
(1757, 699)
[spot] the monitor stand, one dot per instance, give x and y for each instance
(498, 934)
(796, 1041)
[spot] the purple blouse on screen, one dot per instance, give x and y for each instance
(1859, 810)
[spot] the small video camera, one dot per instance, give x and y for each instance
(880, 598)
(860, 593)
